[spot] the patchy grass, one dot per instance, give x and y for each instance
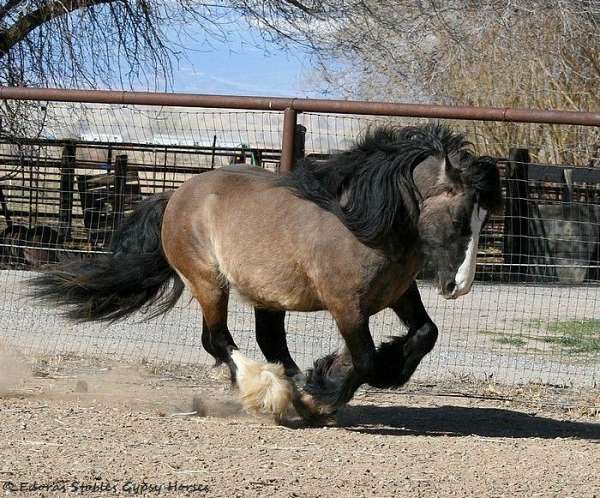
(507, 339)
(510, 340)
(588, 327)
(576, 336)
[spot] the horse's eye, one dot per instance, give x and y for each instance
(462, 227)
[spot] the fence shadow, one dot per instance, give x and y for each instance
(460, 421)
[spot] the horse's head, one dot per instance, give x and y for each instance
(458, 194)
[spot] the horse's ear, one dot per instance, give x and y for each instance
(448, 165)
(453, 174)
(428, 173)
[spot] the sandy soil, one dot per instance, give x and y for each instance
(94, 428)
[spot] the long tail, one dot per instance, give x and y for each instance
(108, 287)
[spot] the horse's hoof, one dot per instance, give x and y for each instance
(299, 379)
(313, 413)
(220, 372)
(324, 420)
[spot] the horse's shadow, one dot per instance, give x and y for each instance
(460, 421)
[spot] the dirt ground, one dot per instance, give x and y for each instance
(72, 426)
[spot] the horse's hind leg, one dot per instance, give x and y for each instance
(397, 360)
(211, 340)
(270, 335)
(262, 387)
(216, 338)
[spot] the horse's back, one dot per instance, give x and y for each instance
(228, 179)
(209, 194)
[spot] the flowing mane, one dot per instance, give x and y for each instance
(370, 186)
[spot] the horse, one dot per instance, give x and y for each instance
(348, 234)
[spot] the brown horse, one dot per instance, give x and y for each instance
(348, 235)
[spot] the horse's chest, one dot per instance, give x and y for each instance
(388, 286)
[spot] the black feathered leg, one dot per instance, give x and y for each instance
(397, 360)
(218, 343)
(334, 379)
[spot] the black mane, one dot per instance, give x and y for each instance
(370, 187)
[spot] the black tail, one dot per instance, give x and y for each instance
(134, 276)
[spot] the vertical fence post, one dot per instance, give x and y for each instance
(568, 194)
(516, 215)
(30, 218)
(214, 150)
(119, 193)
(5, 211)
(67, 175)
(299, 143)
(109, 154)
(287, 143)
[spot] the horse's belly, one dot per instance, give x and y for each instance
(279, 302)
(275, 291)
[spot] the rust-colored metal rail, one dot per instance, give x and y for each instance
(305, 105)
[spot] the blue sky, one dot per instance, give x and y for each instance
(243, 65)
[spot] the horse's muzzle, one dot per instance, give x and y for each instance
(447, 288)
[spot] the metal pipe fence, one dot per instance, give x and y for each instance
(532, 315)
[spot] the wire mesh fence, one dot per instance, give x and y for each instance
(531, 316)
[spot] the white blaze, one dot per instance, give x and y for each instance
(466, 271)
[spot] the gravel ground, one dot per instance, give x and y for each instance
(468, 345)
(91, 428)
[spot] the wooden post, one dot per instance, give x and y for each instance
(67, 175)
(212, 156)
(109, 154)
(299, 143)
(258, 157)
(567, 196)
(30, 218)
(5, 211)
(119, 192)
(516, 215)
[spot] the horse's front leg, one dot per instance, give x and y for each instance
(335, 378)
(397, 360)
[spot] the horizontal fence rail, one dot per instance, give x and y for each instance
(304, 105)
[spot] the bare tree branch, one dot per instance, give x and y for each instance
(8, 6)
(129, 43)
(26, 24)
(300, 6)
(532, 53)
